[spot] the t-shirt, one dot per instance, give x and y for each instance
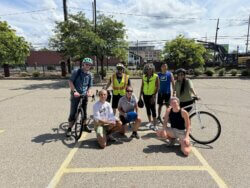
(103, 111)
(127, 105)
(165, 82)
(82, 81)
(187, 94)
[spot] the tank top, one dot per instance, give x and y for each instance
(176, 120)
(165, 82)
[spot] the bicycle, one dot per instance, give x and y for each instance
(79, 119)
(205, 127)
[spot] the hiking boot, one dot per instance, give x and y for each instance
(135, 135)
(68, 132)
(86, 129)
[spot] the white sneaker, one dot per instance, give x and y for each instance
(149, 124)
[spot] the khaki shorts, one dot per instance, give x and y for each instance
(176, 133)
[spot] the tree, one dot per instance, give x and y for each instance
(185, 53)
(13, 49)
(77, 38)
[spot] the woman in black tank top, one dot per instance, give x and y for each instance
(180, 125)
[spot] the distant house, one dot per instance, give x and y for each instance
(44, 58)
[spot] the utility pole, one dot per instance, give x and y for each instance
(65, 10)
(94, 19)
(247, 35)
(216, 35)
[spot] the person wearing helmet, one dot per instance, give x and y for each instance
(80, 82)
(119, 81)
(184, 89)
(128, 110)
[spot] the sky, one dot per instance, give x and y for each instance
(154, 21)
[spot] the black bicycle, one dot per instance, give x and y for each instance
(205, 127)
(78, 126)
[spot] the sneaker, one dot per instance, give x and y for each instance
(68, 132)
(159, 119)
(110, 138)
(86, 129)
(154, 127)
(170, 142)
(149, 124)
(135, 135)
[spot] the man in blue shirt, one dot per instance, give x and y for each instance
(80, 83)
(166, 79)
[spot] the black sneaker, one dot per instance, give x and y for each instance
(135, 135)
(86, 129)
(68, 132)
(159, 119)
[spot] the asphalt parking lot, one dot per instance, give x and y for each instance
(35, 153)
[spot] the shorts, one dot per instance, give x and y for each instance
(176, 133)
(163, 98)
(125, 120)
(115, 100)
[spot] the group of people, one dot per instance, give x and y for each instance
(174, 94)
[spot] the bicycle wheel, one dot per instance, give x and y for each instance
(205, 127)
(78, 126)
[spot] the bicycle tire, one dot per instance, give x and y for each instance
(78, 125)
(198, 134)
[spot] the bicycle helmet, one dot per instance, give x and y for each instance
(181, 70)
(120, 65)
(88, 60)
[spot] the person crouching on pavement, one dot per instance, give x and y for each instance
(128, 110)
(105, 120)
(180, 126)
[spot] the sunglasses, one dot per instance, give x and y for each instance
(129, 91)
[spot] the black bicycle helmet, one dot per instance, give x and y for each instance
(180, 70)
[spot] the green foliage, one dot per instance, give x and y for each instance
(233, 72)
(222, 72)
(77, 37)
(13, 49)
(24, 74)
(209, 72)
(36, 74)
(244, 72)
(198, 72)
(183, 52)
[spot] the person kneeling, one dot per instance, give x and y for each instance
(128, 110)
(105, 121)
(180, 126)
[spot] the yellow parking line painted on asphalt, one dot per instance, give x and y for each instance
(134, 168)
(210, 170)
(65, 163)
(1, 131)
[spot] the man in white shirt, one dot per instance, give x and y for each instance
(105, 121)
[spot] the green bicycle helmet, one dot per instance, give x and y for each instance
(87, 60)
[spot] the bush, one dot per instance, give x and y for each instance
(222, 72)
(244, 72)
(36, 74)
(233, 72)
(209, 72)
(198, 72)
(24, 74)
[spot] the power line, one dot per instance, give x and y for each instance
(28, 12)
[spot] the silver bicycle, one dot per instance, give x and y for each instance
(205, 127)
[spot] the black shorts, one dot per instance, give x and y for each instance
(183, 104)
(163, 98)
(123, 120)
(115, 100)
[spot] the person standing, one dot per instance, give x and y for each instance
(80, 83)
(166, 80)
(119, 81)
(149, 89)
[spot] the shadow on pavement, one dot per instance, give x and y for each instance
(203, 146)
(58, 134)
(163, 148)
(58, 84)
